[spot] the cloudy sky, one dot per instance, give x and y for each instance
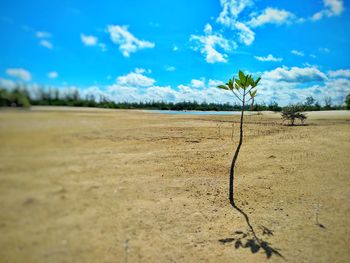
(133, 50)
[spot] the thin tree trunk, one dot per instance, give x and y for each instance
(232, 170)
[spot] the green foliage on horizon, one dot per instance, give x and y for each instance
(14, 98)
(347, 102)
(20, 97)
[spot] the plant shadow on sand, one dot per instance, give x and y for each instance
(250, 240)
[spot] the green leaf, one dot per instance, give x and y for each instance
(252, 94)
(239, 83)
(257, 81)
(242, 77)
(250, 81)
(223, 87)
(230, 84)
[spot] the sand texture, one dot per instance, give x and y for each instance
(87, 185)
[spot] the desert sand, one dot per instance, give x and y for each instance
(92, 185)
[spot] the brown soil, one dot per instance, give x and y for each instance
(86, 185)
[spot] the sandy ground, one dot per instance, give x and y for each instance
(85, 185)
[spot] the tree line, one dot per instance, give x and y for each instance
(20, 97)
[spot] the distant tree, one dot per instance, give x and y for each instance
(327, 103)
(309, 101)
(75, 95)
(273, 106)
(347, 102)
(293, 112)
(244, 89)
(317, 106)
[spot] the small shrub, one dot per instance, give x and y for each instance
(293, 112)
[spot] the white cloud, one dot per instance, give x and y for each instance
(197, 83)
(124, 94)
(336, 7)
(175, 48)
(135, 79)
(339, 73)
(89, 40)
(297, 53)
(126, 41)
(197, 90)
(285, 93)
(231, 10)
(46, 43)
(52, 74)
(213, 83)
(293, 85)
(142, 70)
(169, 68)
(209, 43)
(295, 74)
(269, 57)
(331, 8)
(228, 17)
(42, 34)
(157, 93)
(246, 35)
(139, 70)
(207, 94)
(284, 85)
(317, 16)
(308, 65)
(19, 73)
(95, 92)
(63, 91)
(208, 29)
(312, 55)
(272, 16)
(153, 93)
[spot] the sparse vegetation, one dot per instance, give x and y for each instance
(293, 112)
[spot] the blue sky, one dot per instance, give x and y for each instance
(132, 50)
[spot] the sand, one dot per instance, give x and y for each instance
(92, 185)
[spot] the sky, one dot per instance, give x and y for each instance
(162, 50)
